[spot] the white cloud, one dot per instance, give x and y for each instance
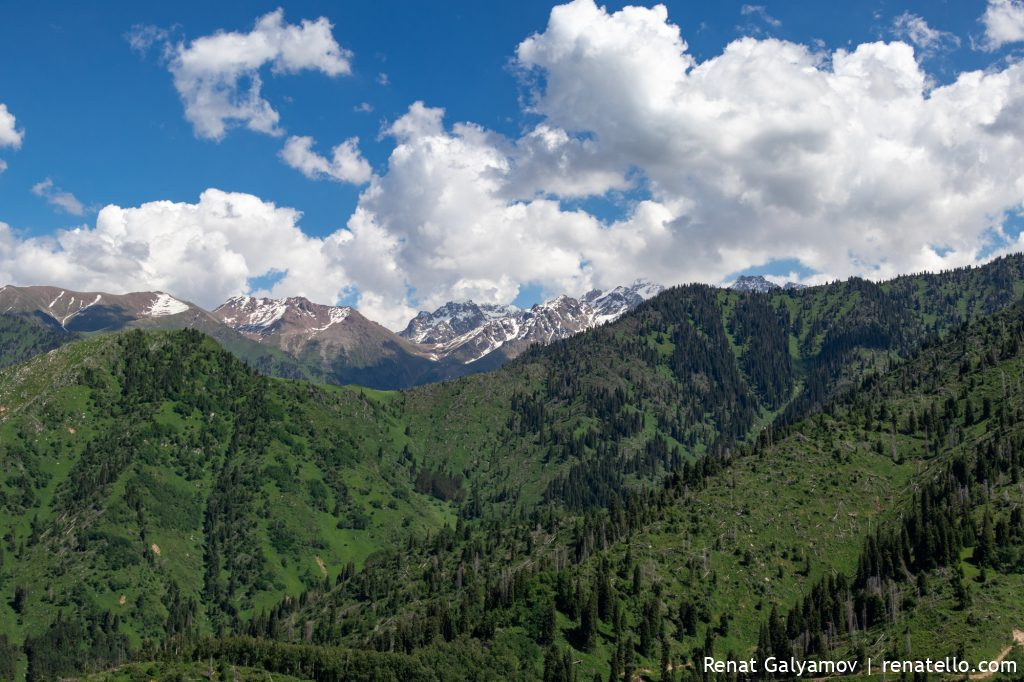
(345, 165)
(363, 108)
(3, 165)
(851, 162)
(218, 76)
(767, 151)
(548, 161)
(761, 12)
(10, 136)
(1004, 23)
(204, 252)
(55, 196)
(442, 223)
(141, 37)
(928, 40)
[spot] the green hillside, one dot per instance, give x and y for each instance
(153, 481)
(888, 524)
(672, 484)
(25, 336)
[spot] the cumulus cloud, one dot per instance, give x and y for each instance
(549, 161)
(345, 165)
(10, 135)
(218, 76)
(851, 163)
(204, 252)
(442, 223)
(928, 40)
(55, 196)
(1004, 23)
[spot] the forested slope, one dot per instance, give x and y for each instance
(650, 490)
(152, 483)
(890, 523)
(25, 336)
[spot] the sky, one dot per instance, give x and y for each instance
(397, 155)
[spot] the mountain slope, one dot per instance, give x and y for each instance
(344, 346)
(872, 523)
(78, 311)
(832, 329)
(154, 479)
(90, 312)
(24, 336)
(631, 461)
(296, 338)
(456, 340)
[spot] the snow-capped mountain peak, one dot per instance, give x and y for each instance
(249, 313)
(453, 320)
(754, 284)
(258, 317)
(611, 305)
(758, 284)
(469, 331)
(89, 311)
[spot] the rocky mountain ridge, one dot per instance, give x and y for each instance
(468, 331)
(299, 338)
(91, 311)
(759, 284)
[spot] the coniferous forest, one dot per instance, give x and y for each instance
(831, 473)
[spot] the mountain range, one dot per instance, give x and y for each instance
(470, 332)
(825, 473)
(295, 337)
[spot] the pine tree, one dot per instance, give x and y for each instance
(588, 622)
(627, 662)
(665, 667)
(548, 624)
(615, 664)
(985, 549)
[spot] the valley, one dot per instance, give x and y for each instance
(819, 472)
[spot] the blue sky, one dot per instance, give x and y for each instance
(104, 122)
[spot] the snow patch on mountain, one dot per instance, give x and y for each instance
(335, 316)
(163, 305)
(252, 314)
(297, 318)
(70, 309)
